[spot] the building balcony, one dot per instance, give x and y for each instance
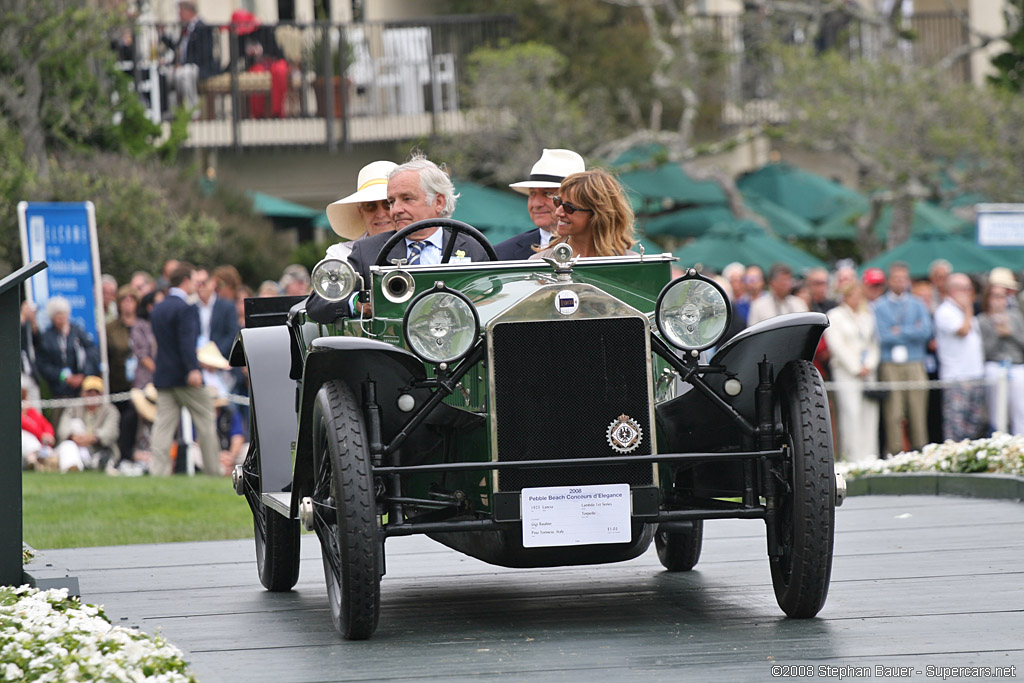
(336, 85)
(321, 84)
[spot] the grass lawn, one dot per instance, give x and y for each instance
(81, 509)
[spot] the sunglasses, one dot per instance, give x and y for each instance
(570, 209)
(372, 206)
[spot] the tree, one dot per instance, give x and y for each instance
(56, 81)
(913, 132)
(1009, 64)
(520, 109)
(71, 129)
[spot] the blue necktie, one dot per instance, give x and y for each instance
(415, 250)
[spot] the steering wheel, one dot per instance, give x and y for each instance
(456, 227)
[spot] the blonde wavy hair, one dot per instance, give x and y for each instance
(611, 223)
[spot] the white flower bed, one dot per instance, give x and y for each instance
(46, 636)
(999, 454)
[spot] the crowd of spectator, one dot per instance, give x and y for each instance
(890, 338)
(167, 342)
(908, 362)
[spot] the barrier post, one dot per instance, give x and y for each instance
(1001, 417)
(11, 537)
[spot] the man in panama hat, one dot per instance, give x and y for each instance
(545, 178)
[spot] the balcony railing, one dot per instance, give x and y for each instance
(319, 84)
(336, 85)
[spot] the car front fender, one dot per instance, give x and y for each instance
(264, 352)
(353, 360)
(779, 340)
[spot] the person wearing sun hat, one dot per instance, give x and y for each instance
(87, 433)
(363, 213)
(546, 177)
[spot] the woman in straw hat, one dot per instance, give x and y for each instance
(594, 216)
(363, 213)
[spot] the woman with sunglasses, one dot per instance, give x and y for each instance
(594, 216)
(363, 213)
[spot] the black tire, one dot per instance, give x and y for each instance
(277, 537)
(806, 513)
(679, 551)
(345, 516)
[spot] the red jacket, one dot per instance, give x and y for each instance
(33, 422)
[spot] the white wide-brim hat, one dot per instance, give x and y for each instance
(372, 185)
(1002, 277)
(552, 168)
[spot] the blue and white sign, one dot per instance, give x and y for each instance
(64, 235)
(1000, 225)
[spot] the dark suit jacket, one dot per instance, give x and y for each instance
(519, 247)
(364, 254)
(198, 51)
(223, 325)
(176, 329)
(79, 354)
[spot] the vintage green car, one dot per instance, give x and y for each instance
(532, 413)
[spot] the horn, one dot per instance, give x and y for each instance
(398, 286)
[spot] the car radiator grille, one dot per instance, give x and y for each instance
(558, 386)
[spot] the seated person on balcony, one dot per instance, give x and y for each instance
(193, 55)
(593, 215)
(256, 43)
(363, 213)
(545, 176)
(417, 190)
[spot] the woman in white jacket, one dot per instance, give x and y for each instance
(853, 344)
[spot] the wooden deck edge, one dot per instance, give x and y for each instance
(992, 486)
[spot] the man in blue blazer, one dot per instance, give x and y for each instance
(218, 318)
(545, 178)
(178, 378)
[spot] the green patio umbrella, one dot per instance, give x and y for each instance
(692, 222)
(927, 216)
(695, 221)
(655, 189)
(496, 213)
(808, 195)
(922, 248)
(747, 243)
(784, 222)
(275, 207)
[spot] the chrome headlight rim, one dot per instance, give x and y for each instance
(439, 289)
(347, 275)
(692, 275)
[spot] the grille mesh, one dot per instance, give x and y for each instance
(558, 385)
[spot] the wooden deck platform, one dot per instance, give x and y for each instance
(918, 581)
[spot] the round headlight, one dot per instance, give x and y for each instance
(333, 279)
(693, 313)
(441, 325)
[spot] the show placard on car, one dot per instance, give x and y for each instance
(575, 515)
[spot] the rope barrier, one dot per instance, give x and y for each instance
(109, 398)
(910, 385)
(238, 399)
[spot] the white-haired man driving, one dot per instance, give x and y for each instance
(417, 190)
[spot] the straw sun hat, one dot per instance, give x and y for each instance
(372, 185)
(551, 169)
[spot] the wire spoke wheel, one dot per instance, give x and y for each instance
(344, 512)
(805, 520)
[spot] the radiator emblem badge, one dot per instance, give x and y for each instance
(624, 434)
(567, 302)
